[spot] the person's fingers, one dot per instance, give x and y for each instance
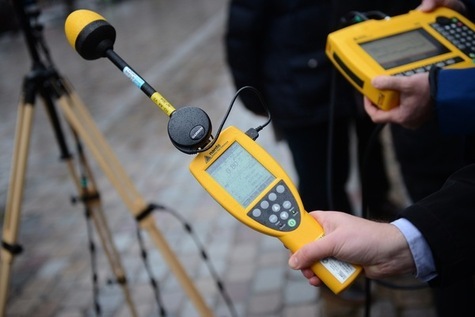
(308, 273)
(376, 114)
(311, 277)
(309, 254)
(315, 281)
(431, 5)
(426, 6)
(369, 107)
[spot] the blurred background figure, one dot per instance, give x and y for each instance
(8, 22)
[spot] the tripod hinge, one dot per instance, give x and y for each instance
(87, 197)
(122, 280)
(12, 248)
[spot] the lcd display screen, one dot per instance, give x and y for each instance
(403, 48)
(240, 174)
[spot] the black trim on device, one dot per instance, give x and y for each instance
(358, 81)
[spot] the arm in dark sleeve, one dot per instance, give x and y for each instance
(454, 96)
(447, 221)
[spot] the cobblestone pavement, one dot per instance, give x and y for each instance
(177, 47)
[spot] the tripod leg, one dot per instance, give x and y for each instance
(112, 255)
(87, 191)
(80, 119)
(89, 195)
(14, 198)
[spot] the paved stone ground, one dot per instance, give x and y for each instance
(177, 47)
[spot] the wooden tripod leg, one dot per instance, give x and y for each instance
(14, 198)
(112, 255)
(88, 192)
(78, 116)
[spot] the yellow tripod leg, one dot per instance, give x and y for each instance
(14, 198)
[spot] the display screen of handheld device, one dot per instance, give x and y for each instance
(243, 177)
(403, 48)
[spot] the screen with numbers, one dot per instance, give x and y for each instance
(242, 176)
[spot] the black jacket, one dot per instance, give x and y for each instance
(447, 219)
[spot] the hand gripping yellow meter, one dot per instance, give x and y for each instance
(401, 46)
(243, 178)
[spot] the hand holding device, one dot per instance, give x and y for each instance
(252, 187)
(401, 46)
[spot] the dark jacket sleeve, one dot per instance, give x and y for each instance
(455, 100)
(447, 221)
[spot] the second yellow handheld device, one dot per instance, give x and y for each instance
(401, 46)
(243, 178)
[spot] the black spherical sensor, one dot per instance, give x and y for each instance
(189, 129)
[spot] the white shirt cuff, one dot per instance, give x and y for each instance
(421, 252)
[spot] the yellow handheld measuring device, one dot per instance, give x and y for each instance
(401, 46)
(243, 178)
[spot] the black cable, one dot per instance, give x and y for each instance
(219, 284)
(365, 168)
(93, 257)
(354, 17)
(153, 282)
(367, 304)
(231, 104)
(366, 215)
(84, 193)
(261, 101)
(364, 203)
(331, 122)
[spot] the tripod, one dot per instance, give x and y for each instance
(44, 81)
